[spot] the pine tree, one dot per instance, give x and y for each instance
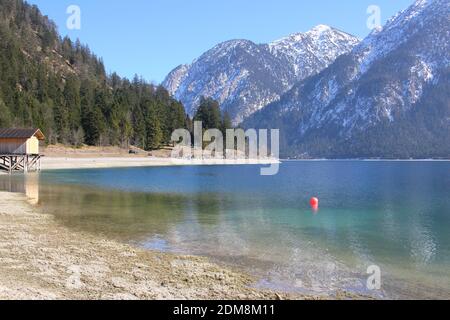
(154, 132)
(139, 137)
(208, 113)
(72, 102)
(93, 124)
(226, 122)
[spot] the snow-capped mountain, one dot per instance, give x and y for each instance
(310, 52)
(389, 97)
(244, 76)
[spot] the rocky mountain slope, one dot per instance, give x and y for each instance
(389, 97)
(244, 77)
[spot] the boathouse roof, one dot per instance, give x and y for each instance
(21, 133)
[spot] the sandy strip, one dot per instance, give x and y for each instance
(40, 259)
(53, 163)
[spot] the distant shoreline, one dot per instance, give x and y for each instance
(60, 163)
(93, 162)
(366, 160)
(60, 157)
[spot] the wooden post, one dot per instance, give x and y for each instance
(22, 163)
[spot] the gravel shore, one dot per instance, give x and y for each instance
(40, 259)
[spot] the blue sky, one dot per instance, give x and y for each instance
(151, 37)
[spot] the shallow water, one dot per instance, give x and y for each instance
(395, 215)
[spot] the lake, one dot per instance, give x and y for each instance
(392, 215)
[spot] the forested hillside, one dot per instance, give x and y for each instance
(62, 88)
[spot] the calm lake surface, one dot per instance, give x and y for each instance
(395, 215)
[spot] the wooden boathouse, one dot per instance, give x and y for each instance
(19, 150)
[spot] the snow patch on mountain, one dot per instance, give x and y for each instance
(387, 78)
(244, 77)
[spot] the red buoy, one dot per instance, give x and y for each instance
(314, 202)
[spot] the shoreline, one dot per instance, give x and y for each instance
(110, 162)
(51, 163)
(41, 259)
(61, 163)
(60, 157)
(365, 160)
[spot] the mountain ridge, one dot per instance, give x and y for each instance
(357, 105)
(244, 76)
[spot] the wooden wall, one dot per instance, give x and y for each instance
(33, 146)
(19, 146)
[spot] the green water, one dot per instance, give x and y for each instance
(395, 215)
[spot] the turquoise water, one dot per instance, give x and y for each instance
(395, 215)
